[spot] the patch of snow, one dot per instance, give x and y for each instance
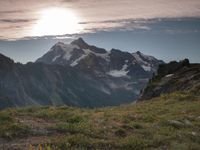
(64, 46)
(142, 61)
(125, 85)
(104, 55)
(119, 73)
(125, 66)
(146, 68)
(105, 90)
(88, 51)
(147, 57)
(77, 60)
(67, 48)
(139, 59)
(56, 57)
(169, 75)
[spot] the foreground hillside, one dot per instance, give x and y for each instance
(171, 121)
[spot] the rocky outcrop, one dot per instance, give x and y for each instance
(171, 77)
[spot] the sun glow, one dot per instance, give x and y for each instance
(57, 21)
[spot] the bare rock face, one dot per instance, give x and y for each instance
(175, 76)
(165, 69)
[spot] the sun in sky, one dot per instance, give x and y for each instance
(57, 21)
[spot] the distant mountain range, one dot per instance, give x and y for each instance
(76, 74)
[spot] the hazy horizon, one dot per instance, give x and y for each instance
(168, 30)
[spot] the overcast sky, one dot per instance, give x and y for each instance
(168, 29)
(17, 17)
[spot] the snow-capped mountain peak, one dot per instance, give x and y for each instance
(71, 54)
(112, 73)
(64, 47)
(81, 43)
(148, 63)
(80, 54)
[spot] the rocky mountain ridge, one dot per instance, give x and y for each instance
(115, 62)
(172, 77)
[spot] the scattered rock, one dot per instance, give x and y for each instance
(194, 133)
(187, 122)
(175, 123)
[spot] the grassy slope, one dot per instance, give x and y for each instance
(169, 122)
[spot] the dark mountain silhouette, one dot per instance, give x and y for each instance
(172, 77)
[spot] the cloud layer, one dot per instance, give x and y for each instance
(18, 17)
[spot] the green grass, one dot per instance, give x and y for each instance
(9, 128)
(171, 121)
